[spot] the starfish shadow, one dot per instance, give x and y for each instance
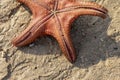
(92, 42)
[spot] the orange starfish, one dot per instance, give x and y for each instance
(54, 18)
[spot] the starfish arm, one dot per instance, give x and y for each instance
(32, 32)
(27, 36)
(56, 29)
(66, 46)
(78, 8)
(55, 5)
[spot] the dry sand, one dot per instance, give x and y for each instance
(97, 43)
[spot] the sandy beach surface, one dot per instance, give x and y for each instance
(96, 41)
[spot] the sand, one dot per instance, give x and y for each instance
(97, 44)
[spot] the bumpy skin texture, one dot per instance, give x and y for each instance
(54, 18)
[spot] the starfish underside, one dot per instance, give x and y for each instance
(54, 18)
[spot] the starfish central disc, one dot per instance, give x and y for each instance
(54, 12)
